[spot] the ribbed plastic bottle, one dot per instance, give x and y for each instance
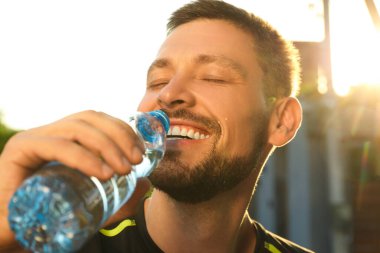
(58, 209)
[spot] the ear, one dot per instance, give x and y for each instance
(285, 120)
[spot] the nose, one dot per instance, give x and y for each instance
(177, 94)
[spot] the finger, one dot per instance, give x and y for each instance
(96, 141)
(118, 131)
(34, 151)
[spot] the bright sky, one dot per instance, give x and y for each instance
(61, 57)
(355, 45)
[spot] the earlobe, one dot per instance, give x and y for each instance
(285, 120)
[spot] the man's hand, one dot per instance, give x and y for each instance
(92, 142)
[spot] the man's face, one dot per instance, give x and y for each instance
(207, 78)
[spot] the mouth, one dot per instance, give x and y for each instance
(186, 132)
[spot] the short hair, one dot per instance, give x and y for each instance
(277, 57)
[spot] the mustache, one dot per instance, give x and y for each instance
(184, 114)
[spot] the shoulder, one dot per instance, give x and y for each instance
(268, 242)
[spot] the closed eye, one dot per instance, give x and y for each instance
(214, 80)
(157, 84)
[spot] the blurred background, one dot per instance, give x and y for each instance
(321, 191)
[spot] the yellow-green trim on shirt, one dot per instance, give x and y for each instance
(115, 231)
(271, 248)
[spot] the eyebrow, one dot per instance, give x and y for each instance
(159, 63)
(222, 61)
(203, 59)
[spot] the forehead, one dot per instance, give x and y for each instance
(211, 37)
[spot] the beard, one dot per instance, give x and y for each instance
(215, 174)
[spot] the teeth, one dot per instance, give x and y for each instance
(190, 134)
(176, 130)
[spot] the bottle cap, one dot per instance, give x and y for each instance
(161, 116)
(149, 131)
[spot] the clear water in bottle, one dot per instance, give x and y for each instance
(59, 208)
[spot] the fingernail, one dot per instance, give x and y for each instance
(141, 146)
(125, 162)
(107, 171)
(126, 165)
(137, 153)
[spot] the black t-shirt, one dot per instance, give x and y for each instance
(131, 236)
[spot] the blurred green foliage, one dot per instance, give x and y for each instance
(5, 133)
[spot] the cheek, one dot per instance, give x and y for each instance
(240, 123)
(236, 117)
(237, 136)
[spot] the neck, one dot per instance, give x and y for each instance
(217, 225)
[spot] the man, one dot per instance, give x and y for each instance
(227, 81)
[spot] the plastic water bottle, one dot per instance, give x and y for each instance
(59, 208)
